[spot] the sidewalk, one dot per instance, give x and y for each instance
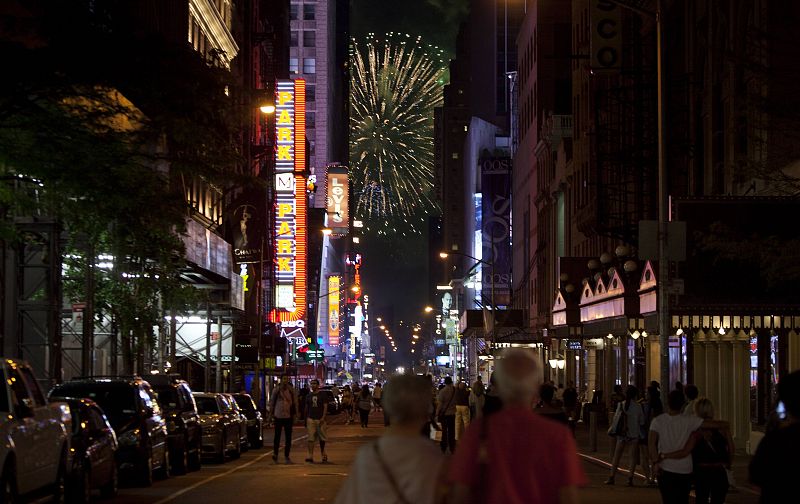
(743, 494)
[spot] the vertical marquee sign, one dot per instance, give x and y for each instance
(290, 208)
(334, 282)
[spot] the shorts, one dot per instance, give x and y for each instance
(317, 430)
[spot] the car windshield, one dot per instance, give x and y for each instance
(206, 405)
(245, 403)
(167, 397)
(118, 400)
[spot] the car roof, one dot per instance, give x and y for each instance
(116, 380)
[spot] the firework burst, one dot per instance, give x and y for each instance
(396, 83)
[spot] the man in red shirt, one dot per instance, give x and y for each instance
(516, 456)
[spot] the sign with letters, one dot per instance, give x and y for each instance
(337, 207)
(495, 173)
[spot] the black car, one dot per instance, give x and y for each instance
(255, 423)
(93, 446)
(185, 435)
(134, 413)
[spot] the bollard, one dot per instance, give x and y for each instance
(593, 430)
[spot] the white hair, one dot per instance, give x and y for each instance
(518, 374)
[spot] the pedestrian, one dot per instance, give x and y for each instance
(547, 407)
(570, 399)
(775, 466)
(400, 466)
(316, 426)
(303, 395)
(462, 409)
(347, 404)
(515, 456)
(692, 393)
(628, 430)
(283, 410)
(670, 433)
(477, 398)
(446, 415)
(650, 412)
(654, 401)
(492, 403)
(712, 451)
(377, 392)
(364, 404)
(558, 397)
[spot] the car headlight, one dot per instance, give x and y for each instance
(129, 438)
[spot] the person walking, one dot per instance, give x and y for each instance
(692, 393)
(547, 406)
(492, 402)
(649, 413)
(401, 466)
(316, 426)
(570, 399)
(364, 405)
(669, 433)
(283, 410)
(462, 409)
(377, 393)
(347, 404)
(628, 430)
(477, 398)
(515, 456)
(446, 414)
(775, 466)
(304, 391)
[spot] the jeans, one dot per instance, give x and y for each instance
(286, 425)
(448, 423)
(710, 483)
(364, 413)
(674, 487)
(462, 420)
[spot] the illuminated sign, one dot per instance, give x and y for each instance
(334, 283)
(290, 207)
(337, 214)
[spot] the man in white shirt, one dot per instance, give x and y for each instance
(669, 433)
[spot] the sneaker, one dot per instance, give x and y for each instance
(610, 481)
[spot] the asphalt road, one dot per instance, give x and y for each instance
(255, 479)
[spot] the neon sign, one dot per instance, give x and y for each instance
(290, 204)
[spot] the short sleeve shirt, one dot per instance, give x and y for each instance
(673, 433)
(315, 404)
(530, 458)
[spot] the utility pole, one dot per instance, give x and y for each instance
(207, 368)
(663, 206)
(218, 385)
(87, 349)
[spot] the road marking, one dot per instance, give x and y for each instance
(603, 462)
(200, 483)
(182, 491)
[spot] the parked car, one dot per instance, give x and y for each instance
(93, 446)
(134, 413)
(33, 438)
(244, 441)
(184, 433)
(221, 424)
(334, 400)
(255, 422)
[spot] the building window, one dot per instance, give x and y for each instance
(311, 119)
(455, 155)
(294, 65)
(293, 38)
(309, 38)
(309, 12)
(309, 65)
(293, 12)
(311, 92)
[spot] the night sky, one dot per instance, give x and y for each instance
(395, 273)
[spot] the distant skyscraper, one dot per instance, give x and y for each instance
(318, 56)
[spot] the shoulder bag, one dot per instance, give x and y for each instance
(389, 477)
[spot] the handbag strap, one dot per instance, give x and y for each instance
(389, 477)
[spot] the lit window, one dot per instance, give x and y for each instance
(294, 65)
(309, 65)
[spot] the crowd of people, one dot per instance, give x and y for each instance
(513, 441)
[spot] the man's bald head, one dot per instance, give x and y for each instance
(518, 376)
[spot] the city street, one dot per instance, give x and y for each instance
(255, 479)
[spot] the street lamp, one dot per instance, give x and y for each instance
(429, 309)
(267, 108)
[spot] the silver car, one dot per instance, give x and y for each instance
(222, 426)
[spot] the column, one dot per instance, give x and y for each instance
(591, 371)
(699, 346)
(724, 410)
(712, 371)
(794, 351)
(740, 420)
